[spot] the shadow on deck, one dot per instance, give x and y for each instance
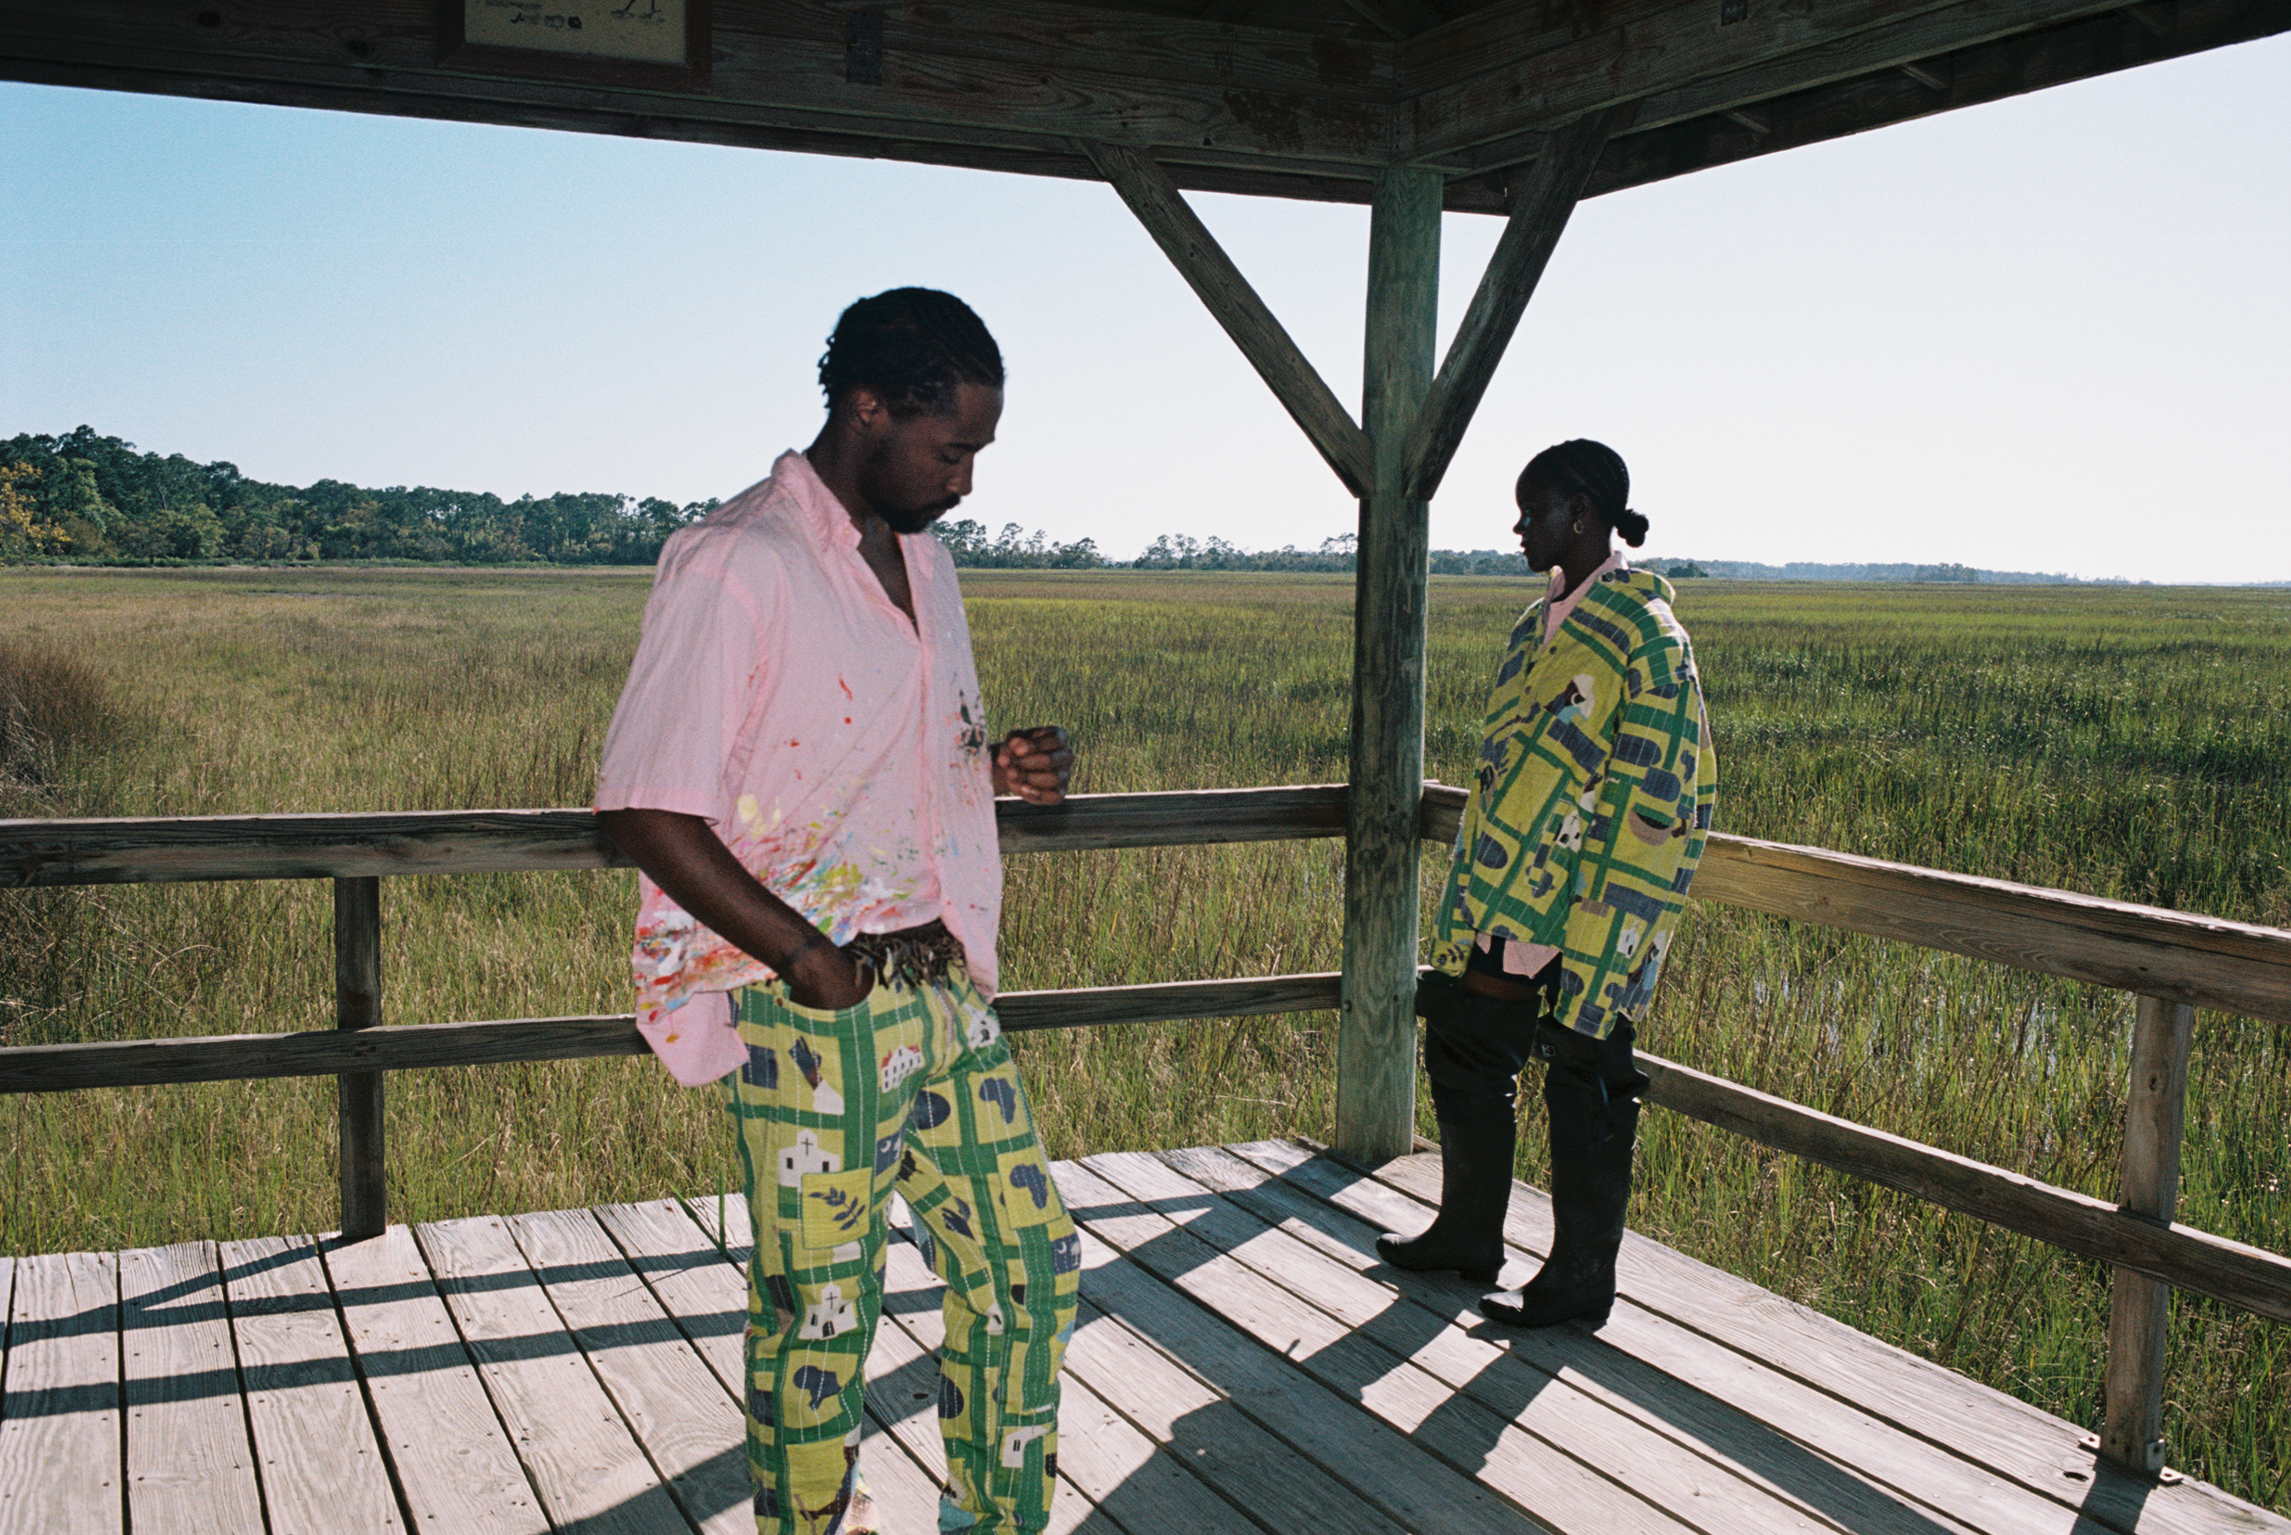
(1243, 1365)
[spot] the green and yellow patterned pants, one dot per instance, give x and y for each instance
(913, 1090)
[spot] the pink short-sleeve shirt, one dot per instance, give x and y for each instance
(838, 750)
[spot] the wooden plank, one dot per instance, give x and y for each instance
(312, 1053)
(445, 1443)
(1263, 340)
(1185, 817)
(189, 1465)
(1231, 1452)
(693, 1433)
(2155, 1112)
(2203, 961)
(60, 1447)
(2179, 956)
(161, 850)
(358, 1094)
(2008, 66)
(583, 1464)
(236, 1057)
(951, 78)
(1890, 45)
(1924, 1431)
(1198, 1428)
(1928, 1483)
(1364, 1416)
(315, 1451)
(691, 1279)
(2249, 1277)
(1496, 85)
(1376, 1029)
(1612, 1381)
(165, 850)
(1525, 1431)
(1530, 235)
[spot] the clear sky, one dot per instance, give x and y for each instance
(2052, 333)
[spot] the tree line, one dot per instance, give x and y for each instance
(83, 498)
(87, 499)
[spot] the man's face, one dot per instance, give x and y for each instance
(919, 467)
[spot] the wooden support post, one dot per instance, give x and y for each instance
(1539, 214)
(1376, 1038)
(358, 1005)
(2132, 1421)
(1202, 262)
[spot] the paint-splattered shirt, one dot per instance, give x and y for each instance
(1593, 798)
(838, 750)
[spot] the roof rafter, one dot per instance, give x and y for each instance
(1680, 62)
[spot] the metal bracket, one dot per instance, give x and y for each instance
(2154, 1457)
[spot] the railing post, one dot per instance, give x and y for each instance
(2132, 1421)
(358, 1005)
(1376, 1031)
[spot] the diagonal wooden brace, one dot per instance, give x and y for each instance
(1202, 262)
(1538, 216)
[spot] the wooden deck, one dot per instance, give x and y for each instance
(1243, 1364)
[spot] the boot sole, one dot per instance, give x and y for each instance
(1475, 1276)
(1514, 1316)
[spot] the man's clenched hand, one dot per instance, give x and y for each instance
(1034, 764)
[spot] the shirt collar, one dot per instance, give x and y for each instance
(1557, 607)
(823, 516)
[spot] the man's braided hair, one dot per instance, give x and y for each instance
(1594, 470)
(912, 347)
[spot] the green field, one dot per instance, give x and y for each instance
(2124, 742)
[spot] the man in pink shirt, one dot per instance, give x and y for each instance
(800, 769)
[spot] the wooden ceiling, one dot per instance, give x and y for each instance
(1292, 98)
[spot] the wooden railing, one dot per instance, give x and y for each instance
(2172, 962)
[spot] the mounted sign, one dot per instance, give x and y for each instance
(632, 42)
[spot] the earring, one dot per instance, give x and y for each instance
(1578, 527)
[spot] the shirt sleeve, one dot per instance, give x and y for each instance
(1636, 847)
(679, 734)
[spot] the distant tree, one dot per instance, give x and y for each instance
(1964, 573)
(1685, 570)
(25, 531)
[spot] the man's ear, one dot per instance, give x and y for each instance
(867, 408)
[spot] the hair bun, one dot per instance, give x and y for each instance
(1632, 526)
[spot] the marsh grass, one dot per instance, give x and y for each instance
(2122, 742)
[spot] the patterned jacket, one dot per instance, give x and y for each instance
(1592, 801)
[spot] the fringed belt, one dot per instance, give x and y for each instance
(923, 955)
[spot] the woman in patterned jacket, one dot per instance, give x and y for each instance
(1586, 821)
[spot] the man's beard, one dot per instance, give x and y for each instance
(916, 519)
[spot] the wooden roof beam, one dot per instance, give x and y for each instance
(1529, 237)
(1202, 262)
(1682, 65)
(2009, 66)
(956, 72)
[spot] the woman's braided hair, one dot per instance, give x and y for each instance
(912, 347)
(1596, 471)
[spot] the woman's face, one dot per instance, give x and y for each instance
(1546, 523)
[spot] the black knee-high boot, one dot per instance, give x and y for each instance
(1593, 1130)
(1476, 1143)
